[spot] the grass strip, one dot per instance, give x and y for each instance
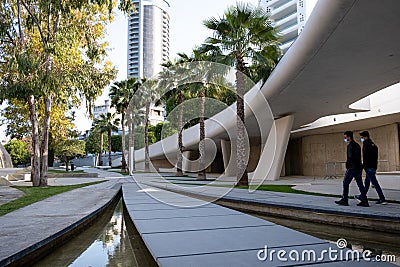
(35, 194)
(64, 172)
(272, 188)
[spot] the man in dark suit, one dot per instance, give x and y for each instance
(353, 170)
(370, 164)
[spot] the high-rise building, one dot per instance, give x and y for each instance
(148, 38)
(289, 17)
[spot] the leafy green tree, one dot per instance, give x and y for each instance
(53, 51)
(116, 143)
(19, 152)
(242, 37)
(107, 123)
(92, 145)
(162, 130)
(67, 150)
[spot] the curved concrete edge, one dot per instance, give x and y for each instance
(25, 256)
(298, 212)
(124, 195)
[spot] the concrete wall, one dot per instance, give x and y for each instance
(309, 155)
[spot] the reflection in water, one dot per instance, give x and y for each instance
(105, 243)
(379, 243)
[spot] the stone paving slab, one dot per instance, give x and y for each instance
(198, 223)
(162, 214)
(250, 258)
(176, 244)
(28, 228)
(214, 235)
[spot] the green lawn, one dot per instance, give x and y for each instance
(63, 172)
(35, 194)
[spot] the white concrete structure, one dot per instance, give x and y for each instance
(289, 17)
(148, 38)
(102, 109)
(347, 51)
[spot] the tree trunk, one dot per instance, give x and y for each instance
(179, 171)
(202, 168)
(146, 139)
(109, 148)
(242, 176)
(45, 141)
(35, 159)
(101, 150)
(66, 165)
(123, 166)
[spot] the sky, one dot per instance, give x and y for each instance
(186, 31)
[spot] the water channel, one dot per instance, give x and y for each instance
(113, 241)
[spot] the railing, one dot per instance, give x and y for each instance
(335, 169)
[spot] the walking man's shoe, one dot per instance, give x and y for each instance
(381, 202)
(363, 204)
(342, 202)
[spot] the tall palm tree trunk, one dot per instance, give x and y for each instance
(202, 171)
(146, 139)
(109, 148)
(242, 176)
(101, 149)
(179, 171)
(123, 166)
(35, 159)
(45, 141)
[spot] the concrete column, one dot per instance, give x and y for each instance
(188, 164)
(131, 156)
(229, 156)
(273, 154)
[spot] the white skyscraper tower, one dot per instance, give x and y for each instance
(148, 38)
(289, 16)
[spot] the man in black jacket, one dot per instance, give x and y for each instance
(370, 164)
(353, 170)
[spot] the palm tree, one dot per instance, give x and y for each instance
(107, 123)
(121, 94)
(205, 73)
(173, 73)
(134, 117)
(149, 93)
(242, 37)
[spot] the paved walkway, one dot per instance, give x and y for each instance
(304, 183)
(31, 227)
(210, 235)
(8, 194)
(184, 232)
(390, 211)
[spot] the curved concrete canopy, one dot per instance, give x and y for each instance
(348, 50)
